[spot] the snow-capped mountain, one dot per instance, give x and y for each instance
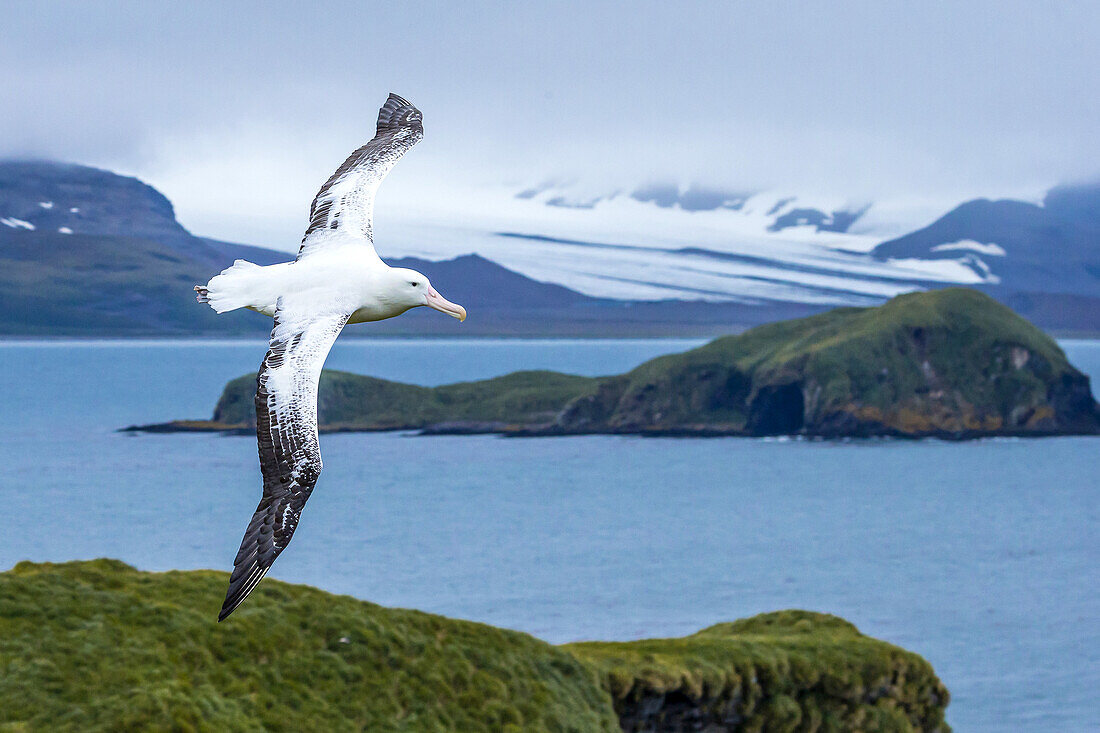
(101, 250)
(64, 198)
(1052, 246)
(663, 241)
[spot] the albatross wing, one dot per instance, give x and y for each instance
(286, 430)
(345, 204)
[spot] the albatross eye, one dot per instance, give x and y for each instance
(415, 285)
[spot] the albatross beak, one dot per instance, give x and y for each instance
(441, 304)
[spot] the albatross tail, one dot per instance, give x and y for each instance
(238, 286)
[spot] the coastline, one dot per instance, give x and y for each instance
(550, 431)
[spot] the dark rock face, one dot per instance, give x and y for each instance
(677, 712)
(839, 221)
(590, 412)
(1074, 406)
(777, 410)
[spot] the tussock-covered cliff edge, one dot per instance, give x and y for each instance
(949, 363)
(98, 645)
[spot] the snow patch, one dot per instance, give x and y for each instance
(14, 223)
(972, 246)
(65, 230)
(957, 271)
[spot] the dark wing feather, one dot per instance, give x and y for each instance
(346, 202)
(286, 432)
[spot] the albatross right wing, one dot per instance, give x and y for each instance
(286, 431)
(345, 204)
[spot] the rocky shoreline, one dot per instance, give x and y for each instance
(552, 431)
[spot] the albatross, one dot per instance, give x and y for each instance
(336, 279)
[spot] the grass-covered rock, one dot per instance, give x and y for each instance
(785, 671)
(100, 646)
(949, 363)
(350, 401)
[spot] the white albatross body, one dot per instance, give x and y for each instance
(345, 272)
(336, 279)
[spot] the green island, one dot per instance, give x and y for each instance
(99, 646)
(949, 363)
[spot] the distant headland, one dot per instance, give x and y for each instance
(950, 363)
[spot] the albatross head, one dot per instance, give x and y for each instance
(412, 289)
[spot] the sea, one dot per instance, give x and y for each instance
(982, 556)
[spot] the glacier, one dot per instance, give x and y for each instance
(686, 243)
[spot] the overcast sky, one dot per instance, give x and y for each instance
(239, 114)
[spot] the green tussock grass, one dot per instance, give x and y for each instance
(100, 646)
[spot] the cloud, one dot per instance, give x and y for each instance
(240, 114)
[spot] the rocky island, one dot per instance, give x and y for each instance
(98, 645)
(948, 363)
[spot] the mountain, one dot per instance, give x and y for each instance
(1029, 253)
(87, 252)
(98, 645)
(1051, 247)
(664, 240)
(950, 363)
(64, 198)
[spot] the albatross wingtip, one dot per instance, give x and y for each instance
(244, 580)
(398, 112)
(229, 606)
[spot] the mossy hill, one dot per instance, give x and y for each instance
(100, 646)
(949, 363)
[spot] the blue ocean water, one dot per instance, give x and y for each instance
(981, 556)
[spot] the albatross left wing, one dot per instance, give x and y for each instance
(345, 204)
(286, 431)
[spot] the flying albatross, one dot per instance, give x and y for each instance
(336, 279)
